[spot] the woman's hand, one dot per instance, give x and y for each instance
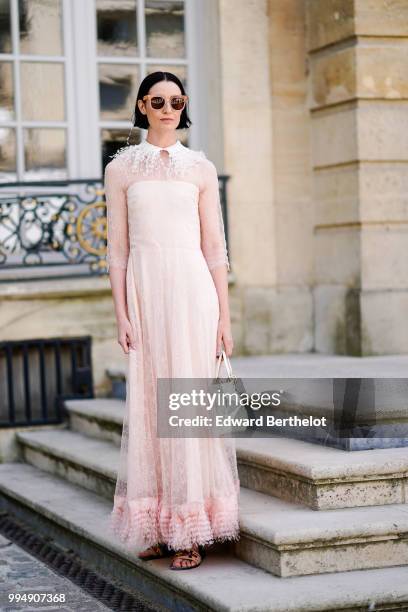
(126, 336)
(224, 336)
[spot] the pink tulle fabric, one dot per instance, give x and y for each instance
(165, 230)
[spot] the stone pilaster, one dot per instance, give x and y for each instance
(358, 99)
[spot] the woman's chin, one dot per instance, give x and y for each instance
(167, 126)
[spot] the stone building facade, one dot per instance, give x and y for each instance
(303, 103)
(319, 182)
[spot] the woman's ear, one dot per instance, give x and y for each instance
(141, 106)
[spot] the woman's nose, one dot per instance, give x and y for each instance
(167, 105)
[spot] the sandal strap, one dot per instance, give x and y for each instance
(187, 552)
(188, 555)
(157, 548)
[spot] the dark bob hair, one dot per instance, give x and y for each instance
(140, 120)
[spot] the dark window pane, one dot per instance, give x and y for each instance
(45, 154)
(8, 171)
(112, 139)
(164, 29)
(6, 92)
(116, 24)
(40, 27)
(5, 27)
(118, 85)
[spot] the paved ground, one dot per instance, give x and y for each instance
(24, 576)
(22, 573)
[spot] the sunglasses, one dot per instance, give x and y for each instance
(176, 102)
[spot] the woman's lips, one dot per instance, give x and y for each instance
(166, 120)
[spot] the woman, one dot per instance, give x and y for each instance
(168, 268)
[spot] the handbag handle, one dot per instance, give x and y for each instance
(227, 362)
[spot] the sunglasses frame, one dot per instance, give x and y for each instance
(184, 96)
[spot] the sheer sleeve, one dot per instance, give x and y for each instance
(213, 243)
(117, 218)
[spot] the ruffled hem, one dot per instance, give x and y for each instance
(144, 522)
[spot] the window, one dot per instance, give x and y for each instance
(69, 74)
(134, 38)
(33, 114)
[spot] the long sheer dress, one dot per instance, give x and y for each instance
(165, 228)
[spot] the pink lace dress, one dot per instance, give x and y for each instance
(165, 229)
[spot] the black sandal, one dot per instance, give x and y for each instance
(188, 555)
(159, 551)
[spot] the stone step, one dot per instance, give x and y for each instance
(372, 411)
(117, 377)
(97, 418)
(322, 477)
(381, 419)
(317, 476)
(289, 539)
(281, 537)
(85, 461)
(221, 583)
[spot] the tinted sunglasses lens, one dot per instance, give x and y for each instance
(177, 103)
(157, 102)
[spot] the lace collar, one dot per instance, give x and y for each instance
(145, 158)
(148, 146)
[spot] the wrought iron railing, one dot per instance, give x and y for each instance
(58, 228)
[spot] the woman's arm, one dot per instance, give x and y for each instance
(213, 246)
(118, 249)
(224, 334)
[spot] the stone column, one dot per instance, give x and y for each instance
(358, 54)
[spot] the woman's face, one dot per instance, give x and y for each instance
(165, 119)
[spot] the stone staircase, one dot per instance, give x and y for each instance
(317, 386)
(321, 528)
